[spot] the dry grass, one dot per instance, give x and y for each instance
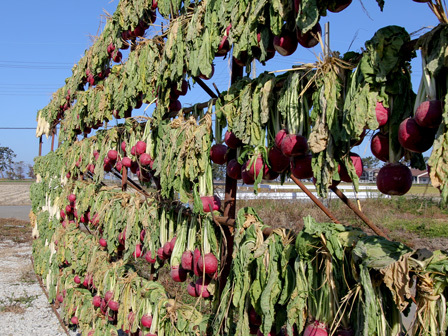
(414, 221)
(17, 305)
(16, 230)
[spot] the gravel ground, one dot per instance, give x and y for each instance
(24, 309)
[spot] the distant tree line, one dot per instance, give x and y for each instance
(11, 169)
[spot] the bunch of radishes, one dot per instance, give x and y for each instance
(415, 135)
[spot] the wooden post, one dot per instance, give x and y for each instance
(315, 199)
(40, 146)
(358, 212)
(53, 132)
(124, 179)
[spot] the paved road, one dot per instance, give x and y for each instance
(15, 211)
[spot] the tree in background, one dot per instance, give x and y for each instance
(31, 171)
(370, 162)
(6, 160)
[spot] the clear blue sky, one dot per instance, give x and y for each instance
(42, 40)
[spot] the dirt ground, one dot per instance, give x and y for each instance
(15, 193)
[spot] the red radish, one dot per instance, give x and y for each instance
(187, 260)
(126, 162)
(234, 169)
(103, 242)
(382, 114)
(310, 38)
(357, 162)
(208, 263)
(294, 145)
(59, 298)
(68, 209)
(223, 47)
(172, 243)
(91, 333)
(196, 256)
(254, 318)
(146, 160)
(146, 321)
(123, 146)
(270, 175)
(341, 331)
(279, 163)
(95, 220)
(160, 254)
(117, 56)
(184, 88)
(142, 235)
(394, 179)
(414, 137)
(108, 296)
(167, 249)
(429, 114)
(112, 155)
(279, 137)
(218, 154)
(140, 147)
(113, 305)
(258, 167)
(96, 301)
(207, 203)
(231, 140)
(68, 175)
(380, 146)
(107, 167)
(71, 198)
(91, 168)
(191, 289)
(110, 48)
(301, 167)
(201, 289)
(175, 105)
(96, 154)
(315, 329)
(247, 177)
(77, 280)
(286, 43)
(122, 237)
(62, 214)
(74, 320)
(138, 251)
(216, 203)
(119, 166)
(178, 274)
(338, 5)
(149, 258)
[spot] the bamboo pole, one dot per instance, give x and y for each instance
(315, 199)
(358, 212)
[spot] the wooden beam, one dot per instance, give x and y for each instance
(358, 212)
(315, 199)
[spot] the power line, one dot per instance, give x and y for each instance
(18, 128)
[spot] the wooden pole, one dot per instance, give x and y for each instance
(124, 179)
(315, 199)
(40, 146)
(358, 212)
(52, 139)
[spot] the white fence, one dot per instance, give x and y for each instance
(293, 192)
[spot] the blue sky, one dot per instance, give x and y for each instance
(42, 40)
